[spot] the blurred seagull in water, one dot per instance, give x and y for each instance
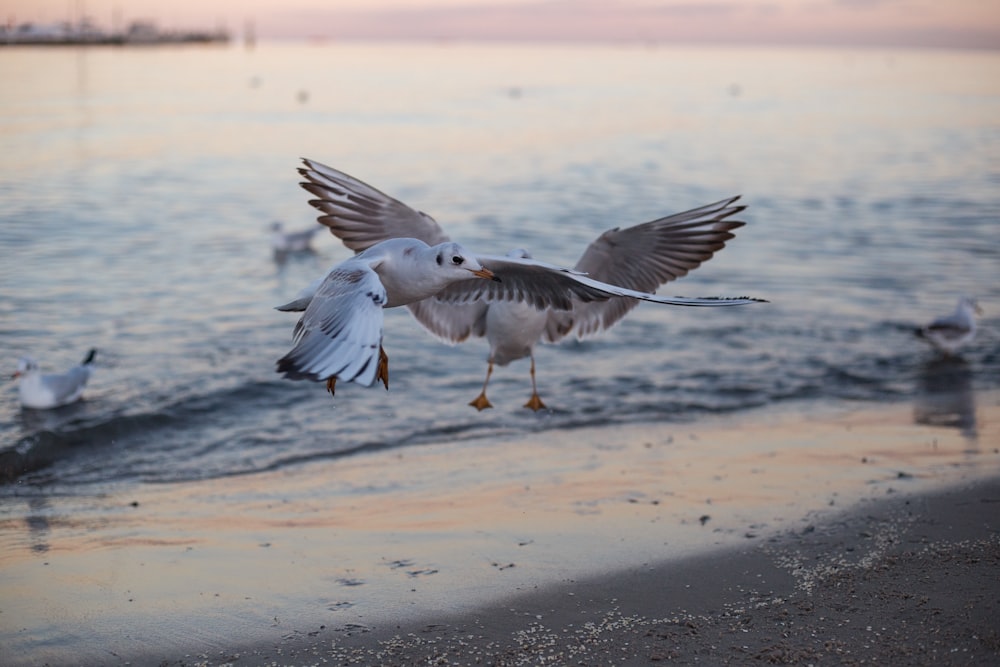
(949, 334)
(51, 390)
(285, 242)
(404, 258)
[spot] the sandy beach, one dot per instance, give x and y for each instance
(844, 535)
(903, 580)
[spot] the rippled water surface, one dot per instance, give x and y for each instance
(138, 186)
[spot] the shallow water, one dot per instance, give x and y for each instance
(139, 183)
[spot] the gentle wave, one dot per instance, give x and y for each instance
(261, 425)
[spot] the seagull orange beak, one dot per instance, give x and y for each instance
(485, 273)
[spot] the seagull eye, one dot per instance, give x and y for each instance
(440, 260)
(457, 259)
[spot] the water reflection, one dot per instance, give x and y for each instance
(281, 258)
(52, 419)
(945, 396)
(38, 523)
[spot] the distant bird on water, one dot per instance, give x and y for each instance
(285, 242)
(53, 390)
(527, 298)
(952, 332)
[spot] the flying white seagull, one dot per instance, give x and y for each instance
(404, 258)
(952, 332)
(53, 390)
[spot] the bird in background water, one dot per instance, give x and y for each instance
(51, 390)
(950, 333)
(527, 300)
(286, 242)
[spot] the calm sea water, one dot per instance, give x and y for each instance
(138, 186)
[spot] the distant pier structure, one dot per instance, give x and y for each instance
(85, 32)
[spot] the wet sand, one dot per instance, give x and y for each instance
(903, 580)
(838, 536)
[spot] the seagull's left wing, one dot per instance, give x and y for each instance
(340, 332)
(643, 258)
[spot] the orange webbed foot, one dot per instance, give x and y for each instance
(535, 403)
(383, 368)
(480, 402)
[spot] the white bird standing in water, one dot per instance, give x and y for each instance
(51, 390)
(406, 259)
(952, 332)
(285, 242)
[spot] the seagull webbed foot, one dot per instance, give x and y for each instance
(481, 402)
(331, 383)
(535, 403)
(383, 368)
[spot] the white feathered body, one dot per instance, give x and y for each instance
(950, 334)
(512, 328)
(41, 391)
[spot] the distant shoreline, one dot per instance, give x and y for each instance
(86, 33)
(121, 40)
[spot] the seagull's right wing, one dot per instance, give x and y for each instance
(548, 286)
(361, 216)
(340, 332)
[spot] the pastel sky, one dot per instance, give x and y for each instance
(960, 23)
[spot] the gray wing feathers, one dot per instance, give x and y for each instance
(644, 257)
(537, 283)
(546, 286)
(955, 322)
(69, 385)
(361, 216)
(341, 331)
(949, 328)
(452, 322)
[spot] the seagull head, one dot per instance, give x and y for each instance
(24, 366)
(454, 256)
(969, 304)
